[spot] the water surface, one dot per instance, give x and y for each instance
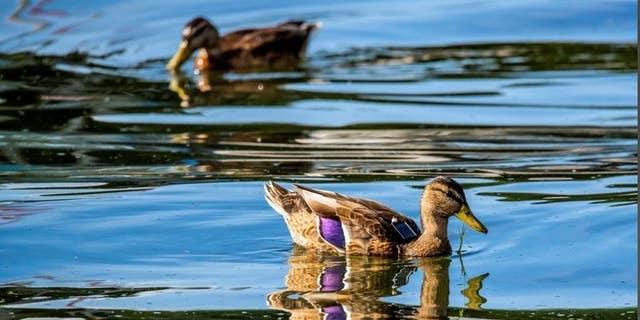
(119, 201)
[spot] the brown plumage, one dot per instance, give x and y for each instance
(276, 47)
(300, 220)
(326, 220)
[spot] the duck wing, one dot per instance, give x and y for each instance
(368, 226)
(256, 39)
(283, 44)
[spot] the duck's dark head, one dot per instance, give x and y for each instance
(198, 33)
(443, 197)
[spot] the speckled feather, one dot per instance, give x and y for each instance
(301, 222)
(368, 224)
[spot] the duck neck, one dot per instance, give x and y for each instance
(434, 227)
(433, 241)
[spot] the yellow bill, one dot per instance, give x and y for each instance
(466, 216)
(179, 58)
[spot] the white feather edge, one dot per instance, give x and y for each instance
(308, 195)
(273, 205)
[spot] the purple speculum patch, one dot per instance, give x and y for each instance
(331, 231)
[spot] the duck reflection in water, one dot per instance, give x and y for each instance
(339, 287)
(233, 92)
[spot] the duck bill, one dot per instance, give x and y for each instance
(466, 216)
(180, 56)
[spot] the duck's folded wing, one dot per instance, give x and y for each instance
(265, 39)
(234, 38)
(363, 218)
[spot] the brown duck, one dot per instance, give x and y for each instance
(277, 47)
(329, 221)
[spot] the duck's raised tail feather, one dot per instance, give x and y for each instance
(274, 194)
(305, 25)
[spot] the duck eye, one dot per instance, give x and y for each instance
(451, 195)
(455, 197)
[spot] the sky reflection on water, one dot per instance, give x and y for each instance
(115, 197)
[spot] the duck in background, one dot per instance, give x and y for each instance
(277, 47)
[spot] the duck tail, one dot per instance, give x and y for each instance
(311, 26)
(274, 194)
(307, 26)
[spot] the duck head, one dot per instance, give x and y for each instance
(198, 33)
(443, 198)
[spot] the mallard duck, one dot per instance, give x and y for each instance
(329, 221)
(280, 46)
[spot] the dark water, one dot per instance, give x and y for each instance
(116, 202)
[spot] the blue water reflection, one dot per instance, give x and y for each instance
(114, 196)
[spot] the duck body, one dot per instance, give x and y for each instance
(276, 47)
(329, 221)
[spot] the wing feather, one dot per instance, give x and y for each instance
(364, 219)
